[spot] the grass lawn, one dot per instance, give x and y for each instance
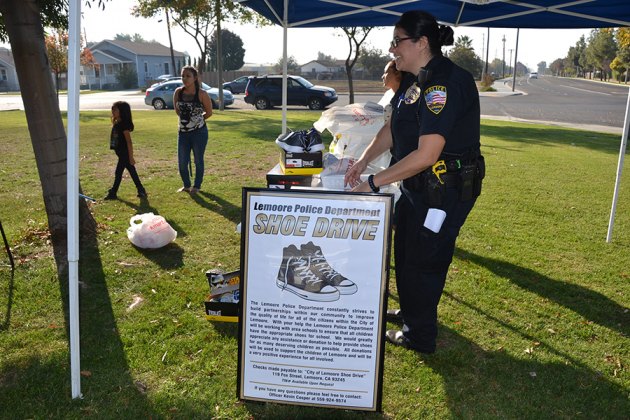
(534, 321)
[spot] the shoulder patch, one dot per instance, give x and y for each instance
(435, 98)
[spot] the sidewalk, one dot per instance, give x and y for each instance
(503, 87)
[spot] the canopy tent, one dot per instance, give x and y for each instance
(337, 13)
(557, 14)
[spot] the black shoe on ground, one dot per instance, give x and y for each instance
(397, 338)
(320, 267)
(295, 276)
(110, 196)
(394, 315)
(142, 194)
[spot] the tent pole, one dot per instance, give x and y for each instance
(72, 189)
(622, 152)
(285, 23)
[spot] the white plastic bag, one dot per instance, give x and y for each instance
(150, 231)
(353, 127)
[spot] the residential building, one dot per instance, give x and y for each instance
(148, 59)
(8, 74)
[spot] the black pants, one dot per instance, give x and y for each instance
(123, 163)
(422, 259)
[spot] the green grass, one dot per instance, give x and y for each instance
(534, 321)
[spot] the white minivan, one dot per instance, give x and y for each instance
(533, 75)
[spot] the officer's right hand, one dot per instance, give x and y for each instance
(353, 175)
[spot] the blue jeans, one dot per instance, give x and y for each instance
(195, 141)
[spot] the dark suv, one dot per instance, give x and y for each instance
(265, 92)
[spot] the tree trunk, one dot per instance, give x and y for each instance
(26, 36)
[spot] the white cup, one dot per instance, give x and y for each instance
(434, 220)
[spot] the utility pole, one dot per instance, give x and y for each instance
(503, 56)
(483, 46)
(510, 65)
(487, 49)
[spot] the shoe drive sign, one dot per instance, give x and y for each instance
(314, 281)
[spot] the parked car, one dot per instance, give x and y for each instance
(533, 75)
(165, 78)
(237, 85)
(160, 96)
(265, 92)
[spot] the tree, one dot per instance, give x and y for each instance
(292, 65)
(373, 60)
(542, 66)
(464, 56)
(356, 36)
(233, 51)
(325, 59)
(130, 38)
(57, 50)
(623, 54)
(601, 50)
(23, 25)
(198, 18)
(557, 67)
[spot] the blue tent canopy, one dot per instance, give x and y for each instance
(485, 13)
(549, 14)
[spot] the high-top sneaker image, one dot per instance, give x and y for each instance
(293, 141)
(296, 277)
(323, 270)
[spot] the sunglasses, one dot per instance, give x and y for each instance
(397, 41)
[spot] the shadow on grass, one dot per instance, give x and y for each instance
(7, 317)
(481, 383)
(39, 387)
(591, 305)
(608, 143)
(218, 205)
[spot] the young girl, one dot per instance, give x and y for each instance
(120, 141)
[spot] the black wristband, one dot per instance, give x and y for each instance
(371, 184)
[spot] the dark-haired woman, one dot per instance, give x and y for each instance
(193, 106)
(434, 136)
(120, 142)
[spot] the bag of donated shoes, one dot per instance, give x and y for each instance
(150, 231)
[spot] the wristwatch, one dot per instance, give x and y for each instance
(371, 184)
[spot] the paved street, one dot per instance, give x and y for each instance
(567, 102)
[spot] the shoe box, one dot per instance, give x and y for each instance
(276, 178)
(301, 163)
(222, 302)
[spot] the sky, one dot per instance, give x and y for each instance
(264, 45)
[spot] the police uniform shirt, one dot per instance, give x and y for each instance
(447, 103)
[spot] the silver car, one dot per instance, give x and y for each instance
(160, 96)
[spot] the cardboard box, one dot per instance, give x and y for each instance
(300, 163)
(222, 311)
(222, 302)
(276, 178)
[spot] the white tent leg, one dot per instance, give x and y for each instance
(285, 21)
(74, 46)
(622, 152)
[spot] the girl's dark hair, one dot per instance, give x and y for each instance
(417, 23)
(124, 111)
(195, 73)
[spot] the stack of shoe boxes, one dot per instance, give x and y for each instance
(222, 303)
(300, 153)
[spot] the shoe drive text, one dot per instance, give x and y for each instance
(289, 225)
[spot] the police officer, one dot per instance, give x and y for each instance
(434, 136)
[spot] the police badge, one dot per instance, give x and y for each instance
(412, 94)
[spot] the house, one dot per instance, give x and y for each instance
(316, 70)
(148, 59)
(8, 75)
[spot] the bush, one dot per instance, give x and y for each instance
(127, 78)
